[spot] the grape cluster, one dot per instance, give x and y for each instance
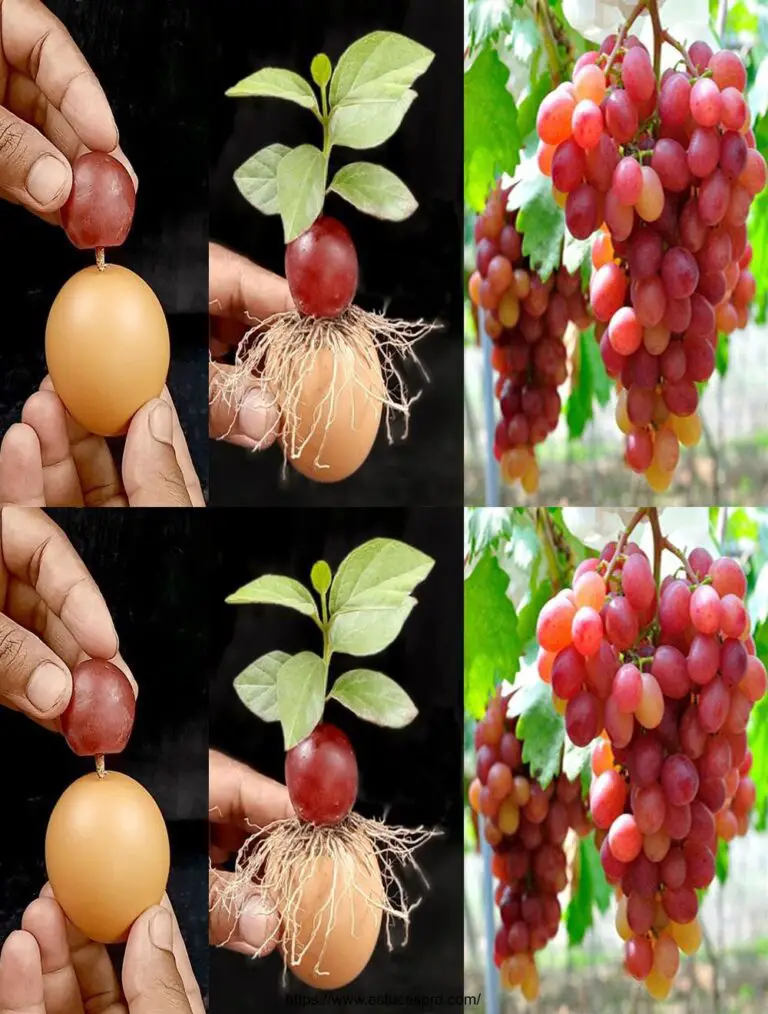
(526, 825)
(664, 680)
(665, 174)
(526, 319)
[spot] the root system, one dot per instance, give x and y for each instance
(283, 351)
(283, 858)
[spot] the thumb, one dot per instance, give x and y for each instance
(247, 417)
(249, 926)
(32, 678)
(152, 983)
(32, 171)
(152, 475)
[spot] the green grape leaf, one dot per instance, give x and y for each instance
(539, 726)
(376, 62)
(757, 732)
(590, 382)
(374, 190)
(274, 83)
(320, 576)
(300, 696)
(369, 630)
(368, 122)
(758, 237)
(485, 528)
(529, 107)
(492, 140)
(575, 759)
(256, 686)
(320, 69)
(491, 645)
(721, 354)
(722, 859)
(540, 594)
(374, 697)
(575, 252)
(300, 189)
(379, 573)
(256, 178)
(275, 590)
(542, 224)
(591, 890)
(487, 19)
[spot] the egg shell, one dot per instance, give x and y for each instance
(356, 412)
(345, 950)
(107, 347)
(107, 854)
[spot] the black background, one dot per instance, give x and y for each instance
(411, 776)
(152, 568)
(151, 59)
(414, 266)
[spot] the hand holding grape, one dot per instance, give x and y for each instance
(241, 294)
(52, 615)
(50, 967)
(240, 801)
(52, 108)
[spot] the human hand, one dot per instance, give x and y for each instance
(49, 460)
(52, 616)
(52, 109)
(240, 802)
(240, 295)
(50, 967)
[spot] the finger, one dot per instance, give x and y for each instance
(21, 975)
(242, 797)
(183, 456)
(24, 98)
(45, 413)
(36, 551)
(183, 963)
(46, 922)
(152, 476)
(239, 288)
(36, 43)
(21, 467)
(96, 978)
(151, 979)
(246, 924)
(32, 678)
(247, 417)
(32, 170)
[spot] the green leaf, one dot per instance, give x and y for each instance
(374, 190)
(575, 759)
(378, 566)
(491, 645)
(542, 223)
(275, 590)
(541, 593)
(529, 107)
(485, 528)
(300, 189)
(256, 179)
(721, 354)
(758, 743)
(539, 726)
(492, 140)
(300, 696)
(722, 861)
(275, 83)
(375, 698)
(592, 889)
(320, 576)
(370, 629)
(575, 252)
(320, 69)
(256, 686)
(590, 382)
(367, 123)
(487, 20)
(758, 237)
(377, 60)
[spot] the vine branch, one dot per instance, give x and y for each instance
(543, 523)
(636, 12)
(637, 517)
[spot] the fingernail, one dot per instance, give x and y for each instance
(47, 685)
(161, 423)
(256, 923)
(161, 930)
(257, 415)
(46, 179)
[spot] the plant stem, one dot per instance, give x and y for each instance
(658, 37)
(681, 49)
(658, 542)
(637, 517)
(543, 522)
(637, 11)
(682, 558)
(542, 16)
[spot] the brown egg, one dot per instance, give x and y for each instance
(107, 347)
(344, 949)
(107, 854)
(355, 410)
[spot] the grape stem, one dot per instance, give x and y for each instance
(100, 259)
(637, 517)
(666, 37)
(637, 11)
(542, 15)
(100, 769)
(543, 523)
(660, 543)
